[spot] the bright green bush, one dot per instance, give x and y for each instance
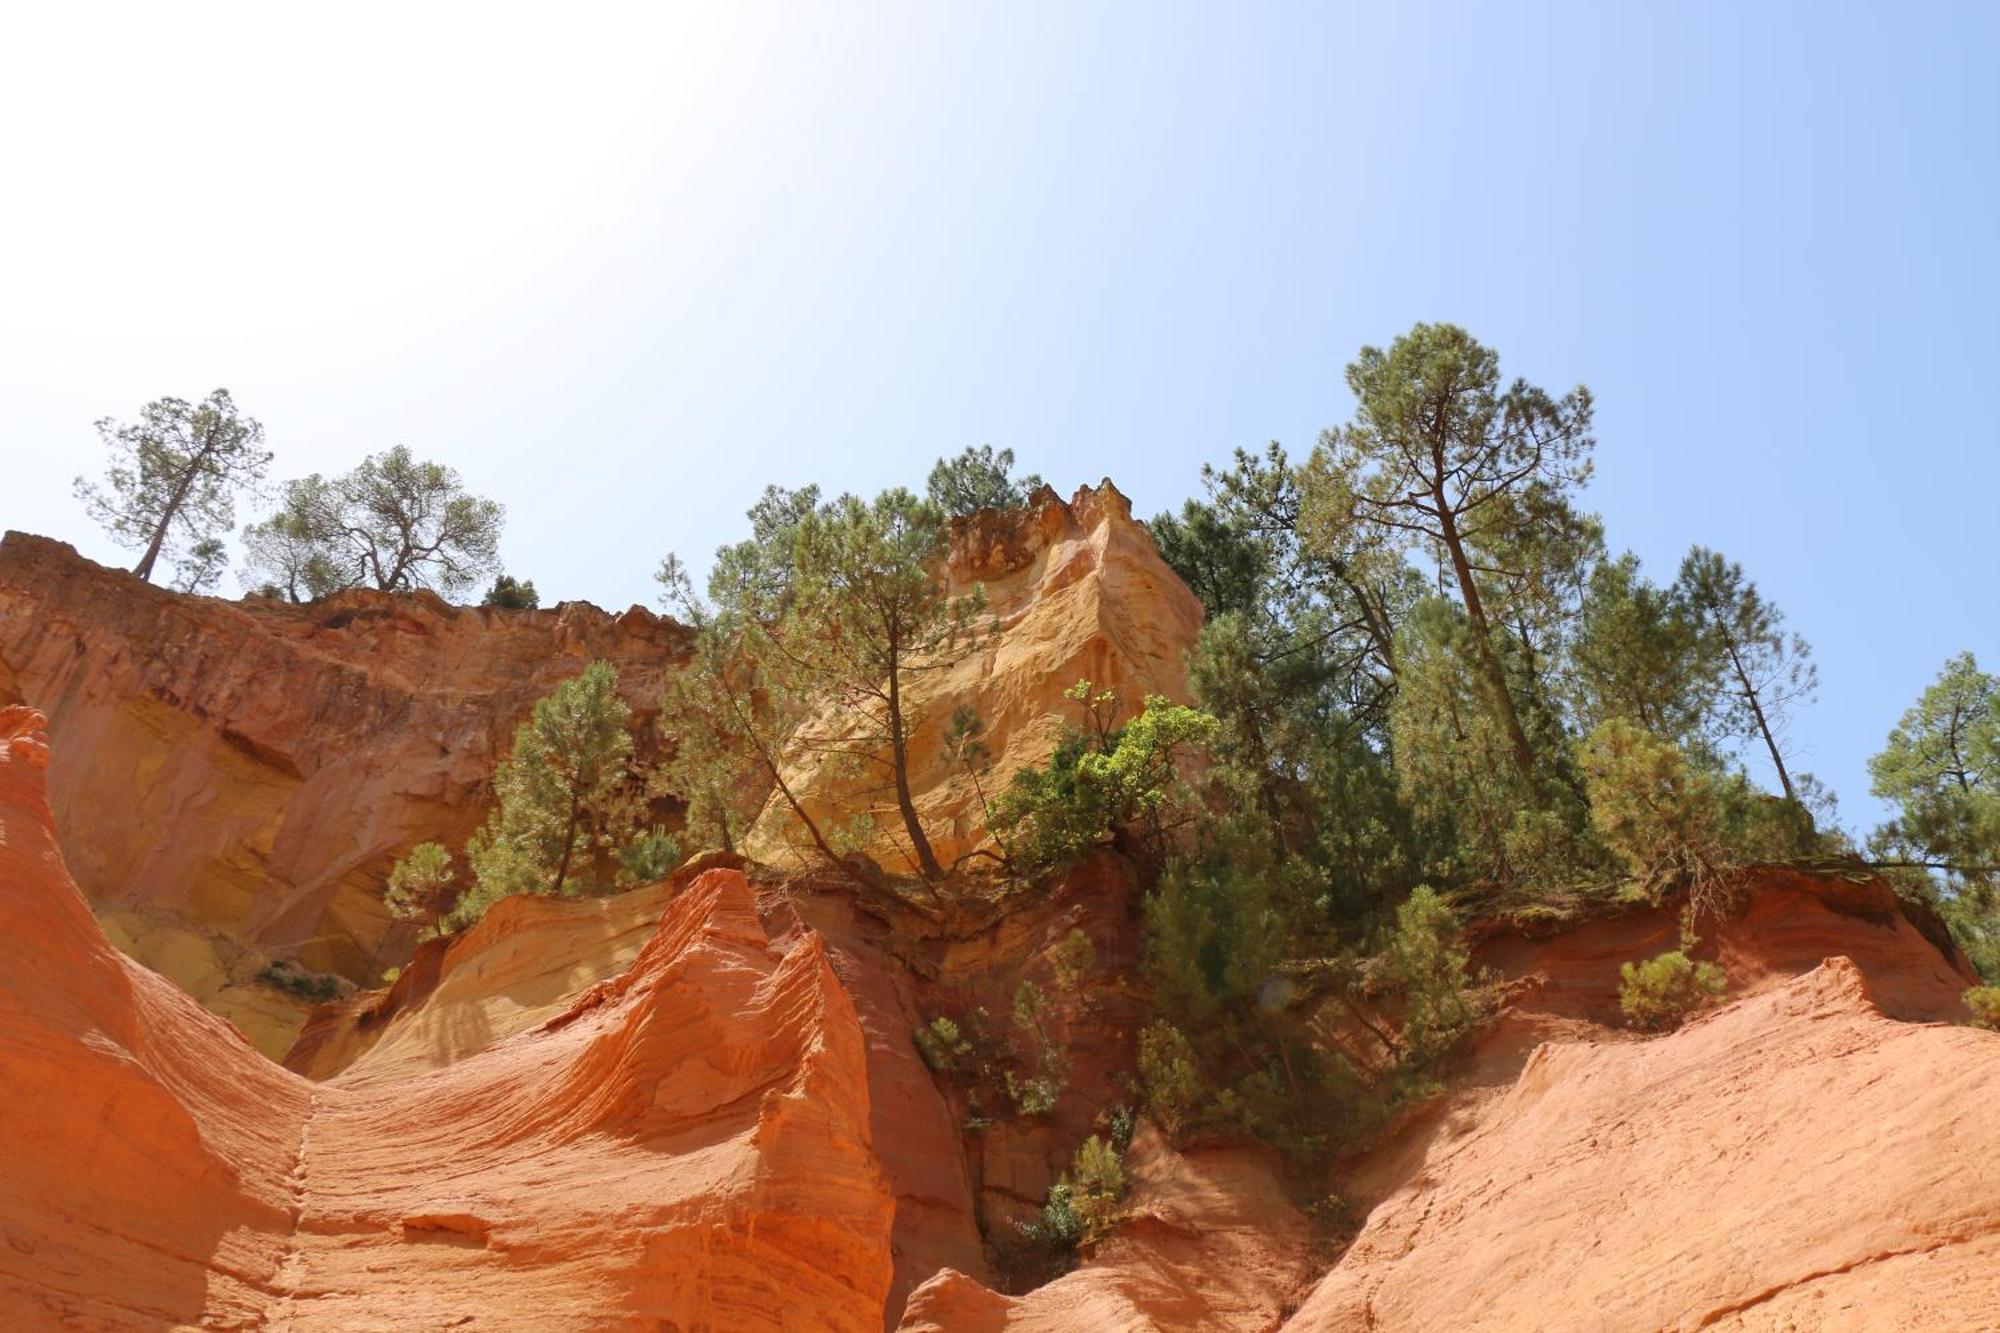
(423, 885)
(1082, 1208)
(1663, 991)
(1098, 783)
(1984, 1002)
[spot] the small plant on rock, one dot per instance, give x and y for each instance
(1984, 1002)
(1663, 991)
(1169, 1078)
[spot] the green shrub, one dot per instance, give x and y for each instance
(1098, 783)
(512, 593)
(1440, 1004)
(423, 886)
(318, 987)
(943, 1046)
(1036, 1092)
(649, 858)
(1657, 814)
(1170, 1080)
(1082, 1209)
(1661, 992)
(1984, 1002)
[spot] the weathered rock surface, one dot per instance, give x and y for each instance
(1074, 591)
(1210, 1242)
(686, 1145)
(234, 780)
(1796, 1160)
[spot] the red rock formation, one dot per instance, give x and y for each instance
(233, 780)
(1796, 1160)
(686, 1145)
(1210, 1242)
(706, 1111)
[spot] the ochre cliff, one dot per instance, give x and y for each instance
(1073, 591)
(700, 1103)
(687, 1145)
(234, 780)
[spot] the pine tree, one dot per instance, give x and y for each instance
(566, 808)
(1440, 456)
(173, 480)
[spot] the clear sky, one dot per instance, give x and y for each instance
(622, 268)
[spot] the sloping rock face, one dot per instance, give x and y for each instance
(687, 1145)
(1210, 1243)
(234, 780)
(1796, 1160)
(1073, 591)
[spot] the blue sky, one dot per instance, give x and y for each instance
(624, 267)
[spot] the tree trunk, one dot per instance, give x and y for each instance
(927, 860)
(569, 846)
(144, 569)
(1757, 712)
(1482, 637)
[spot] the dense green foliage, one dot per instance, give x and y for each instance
(569, 813)
(1664, 990)
(1103, 783)
(171, 486)
(978, 479)
(395, 523)
(424, 886)
(512, 594)
(1425, 670)
(1940, 772)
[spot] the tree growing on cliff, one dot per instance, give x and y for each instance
(1441, 457)
(568, 813)
(423, 886)
(395, 523)
(512, 594)
(1940, 770)
(979, 479)
(174, 476)
(1765, 672)
(869, 613)
(1642, 655)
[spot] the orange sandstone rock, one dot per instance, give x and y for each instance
(1796, 1160)
(234, 780)
(686, 1145)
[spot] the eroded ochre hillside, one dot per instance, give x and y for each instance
(700, 1104)
(234, 780)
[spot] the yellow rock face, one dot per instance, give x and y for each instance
(1074, 591)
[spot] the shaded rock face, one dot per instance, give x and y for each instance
(234, 780)
(687, 1145)
(1073, 591)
